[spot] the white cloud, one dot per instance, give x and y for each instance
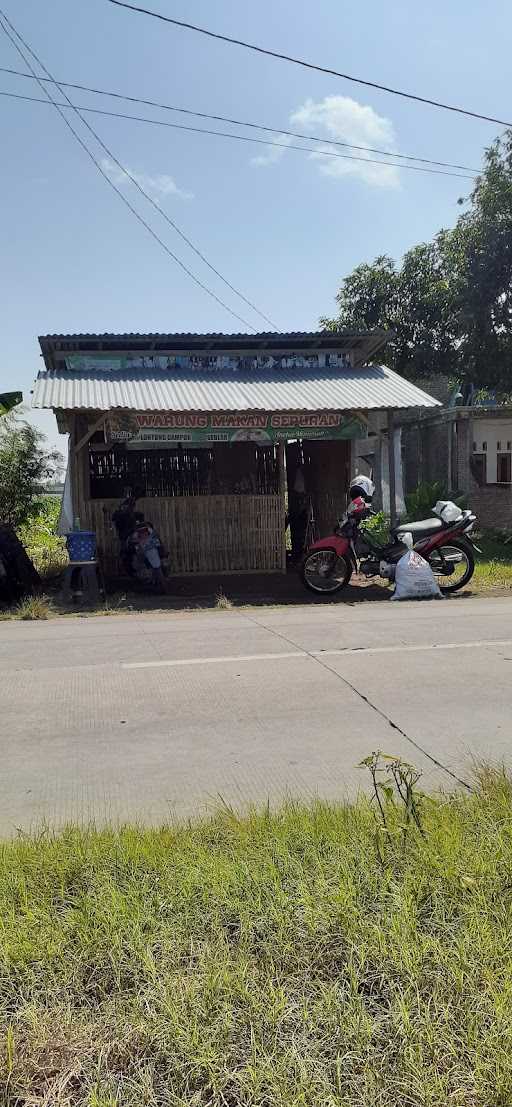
(274, 153)
(160, 185)
(345, 120)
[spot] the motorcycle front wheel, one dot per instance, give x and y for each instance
(325, 573)
(459, 557)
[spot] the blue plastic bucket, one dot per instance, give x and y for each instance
(81, 545)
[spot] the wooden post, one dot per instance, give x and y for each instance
(73, 467)
(282, 496)
(392, 467)
(83, 482)
(450, 443)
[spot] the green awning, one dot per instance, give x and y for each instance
(8, 400)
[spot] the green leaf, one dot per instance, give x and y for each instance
(8, 400)
(387, 789)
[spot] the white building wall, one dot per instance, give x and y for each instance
(491, 437)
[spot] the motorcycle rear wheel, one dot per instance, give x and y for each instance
(461, 555)
(324, 572)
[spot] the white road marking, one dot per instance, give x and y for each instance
(413, 649)
(209, 660)
(182, 661)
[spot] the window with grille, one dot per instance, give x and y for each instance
(479, 467)
(491, 461)
(241, 469)
(504, 468)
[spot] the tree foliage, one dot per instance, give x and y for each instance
(8, 400)
(449, 302)
(26, 465)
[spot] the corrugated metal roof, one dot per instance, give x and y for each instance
(371, 387)
(265, 335)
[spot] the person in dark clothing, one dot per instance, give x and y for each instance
(125, 520)
(298, 514)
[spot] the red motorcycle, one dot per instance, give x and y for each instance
(444, 541)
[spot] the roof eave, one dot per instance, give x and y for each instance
(364, 344)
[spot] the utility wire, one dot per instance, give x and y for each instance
(3, 21)
(240, 138)
(240, 122)
(309, 65)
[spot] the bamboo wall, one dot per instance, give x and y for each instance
(204, 534)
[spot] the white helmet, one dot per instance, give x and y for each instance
(362, 486)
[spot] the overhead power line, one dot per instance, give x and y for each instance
(310, 65)
(239, 122)
(240, 138)
(5, 24)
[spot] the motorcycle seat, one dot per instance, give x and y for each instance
(421, 529)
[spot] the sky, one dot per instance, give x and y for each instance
(282, 226)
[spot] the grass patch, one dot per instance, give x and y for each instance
(268, 961)
(493, 570)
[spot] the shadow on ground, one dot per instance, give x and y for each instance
(227, 591)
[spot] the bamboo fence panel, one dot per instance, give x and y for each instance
(204, 534)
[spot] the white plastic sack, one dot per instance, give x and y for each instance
(414, 579)
(447, 511)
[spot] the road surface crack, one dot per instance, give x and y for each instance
(378, 710)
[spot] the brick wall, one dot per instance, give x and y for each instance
(425, 453)
(492, 504)
(435, 452)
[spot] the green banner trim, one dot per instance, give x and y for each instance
(151, 431)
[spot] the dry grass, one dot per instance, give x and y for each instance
(32, 608)
(268, 961)
(223, 602)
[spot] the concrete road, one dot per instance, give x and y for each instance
(154, 717)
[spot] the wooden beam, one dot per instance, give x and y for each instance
(281, 462)
(89, 433)
(392, 468)
(72, 463)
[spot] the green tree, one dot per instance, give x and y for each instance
(8, 400)
(26, 465)
(449, 302)
(415, 301)
(480, 250)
